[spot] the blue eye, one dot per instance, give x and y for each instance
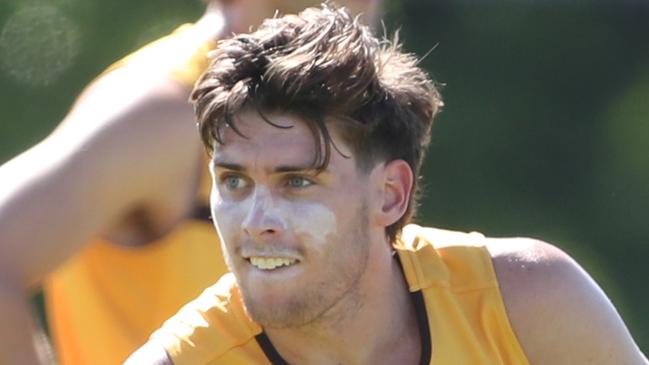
(298, 182)
(234, 182)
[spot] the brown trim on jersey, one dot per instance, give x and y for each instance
(424, 331)
(417, 298)
(269, 350)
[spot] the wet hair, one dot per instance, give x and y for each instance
(322, 64)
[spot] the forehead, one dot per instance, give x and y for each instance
(288, 141)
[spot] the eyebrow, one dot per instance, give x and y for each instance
(229, 166)
(295, 168)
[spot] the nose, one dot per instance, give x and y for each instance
(263, 221)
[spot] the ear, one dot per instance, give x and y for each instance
(397, 181)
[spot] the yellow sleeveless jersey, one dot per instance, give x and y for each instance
(105, 302)
(461, 315)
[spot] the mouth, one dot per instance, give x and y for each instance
(271, 263)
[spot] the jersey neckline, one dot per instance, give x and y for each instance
(422, 323)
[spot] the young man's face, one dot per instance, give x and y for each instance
(297, 242)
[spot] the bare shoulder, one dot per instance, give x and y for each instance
(558, 312)
(150, 354)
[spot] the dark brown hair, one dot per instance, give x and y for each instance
(324, 63)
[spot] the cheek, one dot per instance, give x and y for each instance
(313, 221)
(228, 216)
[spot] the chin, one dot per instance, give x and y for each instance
(278, 311)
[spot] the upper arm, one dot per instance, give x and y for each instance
(129, 142)
(558, 312)
(150, 354)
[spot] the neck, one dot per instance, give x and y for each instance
(378, 324)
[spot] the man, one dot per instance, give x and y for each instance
(117, 194)
(316, 132)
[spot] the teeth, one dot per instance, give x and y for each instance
(269, 263)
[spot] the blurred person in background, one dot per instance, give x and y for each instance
(131, 240)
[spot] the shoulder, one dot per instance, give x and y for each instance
(558, 312)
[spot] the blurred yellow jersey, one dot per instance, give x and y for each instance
(105, 302)
(452, 283)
